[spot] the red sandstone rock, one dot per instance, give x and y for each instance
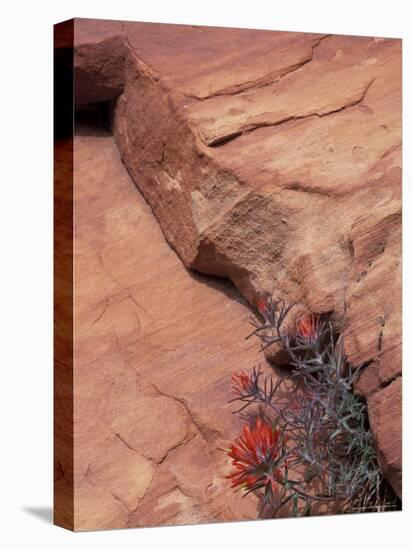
(385, 410)
(154, 351)
(274, 159)
(99, 52)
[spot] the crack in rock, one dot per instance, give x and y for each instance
(182, 443)
(264, 81)
(207, 433)
(122, 286)
(105, 306)
(87, 475)
(223, 140)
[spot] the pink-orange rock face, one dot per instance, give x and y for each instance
(274, 159)
(385, 411)
(99, 52)
(155, 347)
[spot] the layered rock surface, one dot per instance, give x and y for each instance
(273, 159)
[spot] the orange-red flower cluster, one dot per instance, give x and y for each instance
(308, 327)
(261, 304)
(254, 456)
(242, 383)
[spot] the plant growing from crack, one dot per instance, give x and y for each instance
(306, 438)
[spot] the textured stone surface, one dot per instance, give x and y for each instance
(385, 410)
(99, 51)
(155, 347)
(274, 159)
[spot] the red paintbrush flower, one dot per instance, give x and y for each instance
(261, 305)
(245, 385)
(256, 457)
(308, 328)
